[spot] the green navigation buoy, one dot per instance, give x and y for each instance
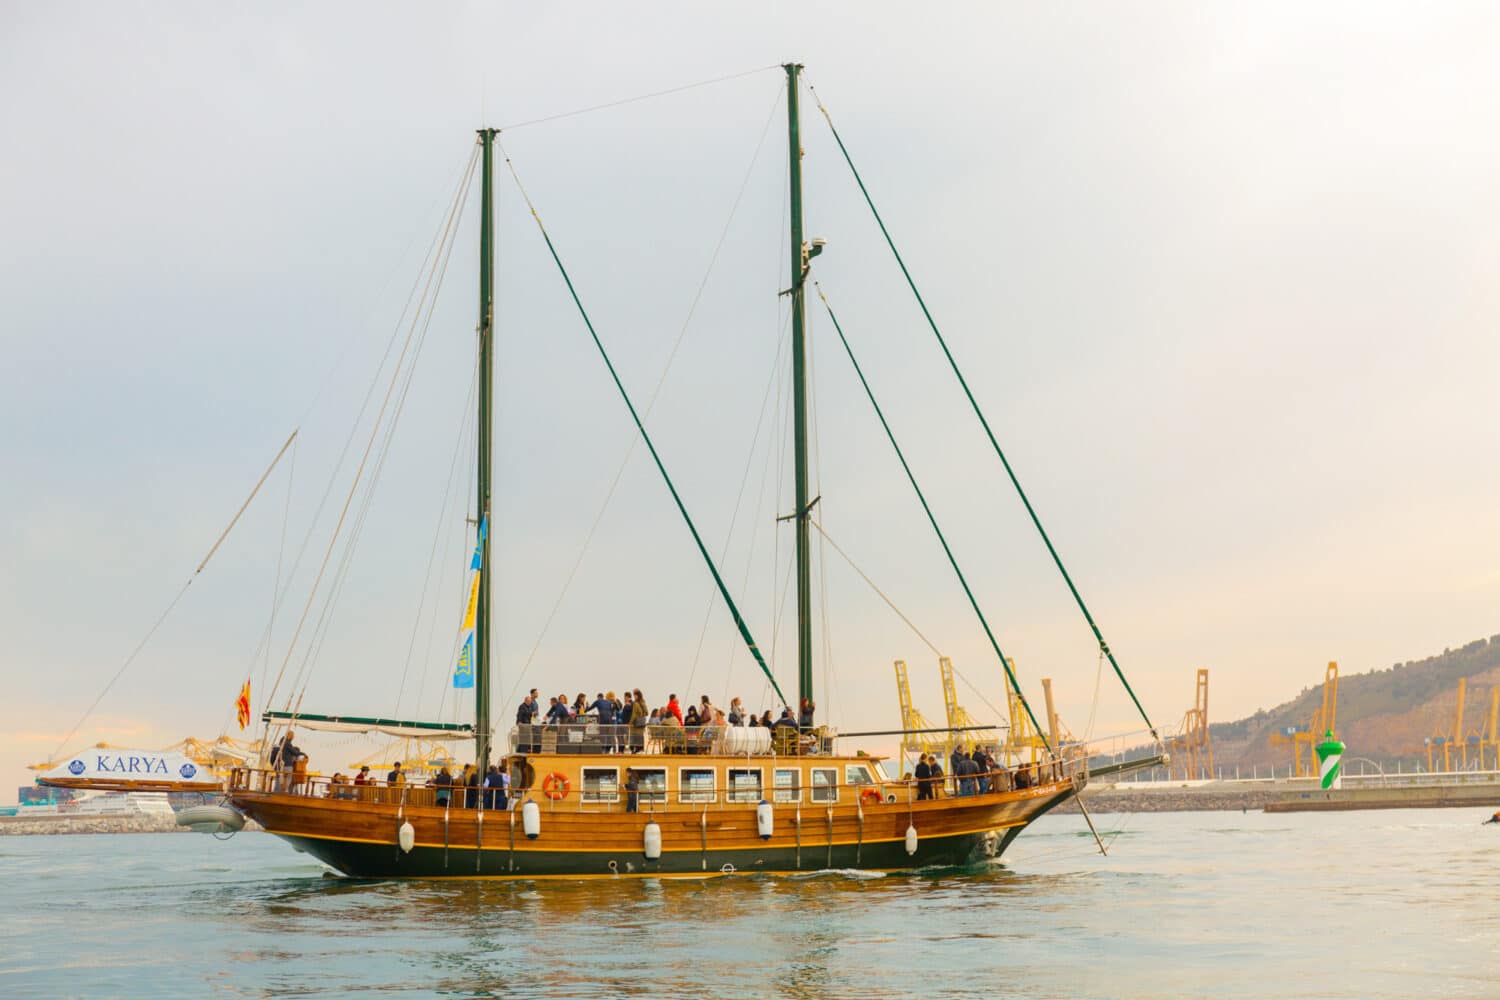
(1330, 753)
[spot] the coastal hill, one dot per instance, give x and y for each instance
(1384, 715)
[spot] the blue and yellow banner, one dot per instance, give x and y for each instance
(463, 672)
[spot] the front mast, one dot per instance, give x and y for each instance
(799, 391)
(486, 331)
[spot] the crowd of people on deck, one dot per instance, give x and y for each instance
(625, 720)
(974, 772)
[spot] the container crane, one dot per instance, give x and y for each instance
(1192, 752)
(1447, 740)
(964, 726)
(913, 741)
(1304, 738)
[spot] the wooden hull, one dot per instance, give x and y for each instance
(360, 838)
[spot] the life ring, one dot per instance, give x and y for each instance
(870, 797)
(555, 786)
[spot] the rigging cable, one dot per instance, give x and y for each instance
(739, 621)
(650, 405)
(1035, 520)
(641, 97)
(460, 439)
(952, 560)
(359, 470)
(824, 536)
(186, 584)
(432, 250)
(341, 575)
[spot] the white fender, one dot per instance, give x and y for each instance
(406, 837)
(765, 820)
(911, 839)
(652, 840)
(210, 819)
(531, 819)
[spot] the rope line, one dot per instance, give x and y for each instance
(739, 621)
(650, 405)
(1035, 520)
(369, 446)
(175, 600)
(633, 100)
(932, 519)
(902, 615)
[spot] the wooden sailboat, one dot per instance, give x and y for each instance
(597, 800)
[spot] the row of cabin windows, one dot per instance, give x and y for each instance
(742, 784)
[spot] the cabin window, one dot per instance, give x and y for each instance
(653, 784)
(695, 784)
(788, 784)
(857, 774)
(601, 784)
(744, 784)
(825, 784)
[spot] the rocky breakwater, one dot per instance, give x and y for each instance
(1177, 797)
(55, 823)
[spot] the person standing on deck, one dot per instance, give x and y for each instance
(286, 755)
(805, 715)
(639, 715)
(923, 775)
(604, 710)
(674, 708)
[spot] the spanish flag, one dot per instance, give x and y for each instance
(242, 705)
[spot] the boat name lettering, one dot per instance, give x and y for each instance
(130, 765)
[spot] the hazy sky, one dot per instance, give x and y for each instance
(1223, 277)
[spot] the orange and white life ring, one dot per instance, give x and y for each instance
(555, 786)
(870, 797)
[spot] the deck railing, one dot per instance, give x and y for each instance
(590, 737)
(608, 795)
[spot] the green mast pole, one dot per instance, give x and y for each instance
(486, 360)
(799, 390)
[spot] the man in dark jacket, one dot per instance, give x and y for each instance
(923, 775)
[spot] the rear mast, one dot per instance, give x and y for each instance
(799, 390)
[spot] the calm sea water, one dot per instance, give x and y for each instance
(1366, 904)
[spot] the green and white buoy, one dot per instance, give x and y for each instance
(1330, 754)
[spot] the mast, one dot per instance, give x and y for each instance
(799, 389)
(482, 508)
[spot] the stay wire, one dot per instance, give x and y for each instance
(974, 403)
(650, 405)
(932, 518)
(739, 621)
(632, 100)
(359, 471)
(175, 600)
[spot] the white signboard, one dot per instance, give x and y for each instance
(125, 767)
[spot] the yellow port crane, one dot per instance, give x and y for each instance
(1022, 743)
(1491, 737)
(1191, 751)
(1303, 740)
(1446, 740)
(913, 742)
(964, 725)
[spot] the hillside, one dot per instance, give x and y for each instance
(1384, 715)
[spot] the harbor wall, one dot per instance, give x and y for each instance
(1304, 795)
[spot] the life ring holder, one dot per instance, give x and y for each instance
(555, 786)
(870, 797)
